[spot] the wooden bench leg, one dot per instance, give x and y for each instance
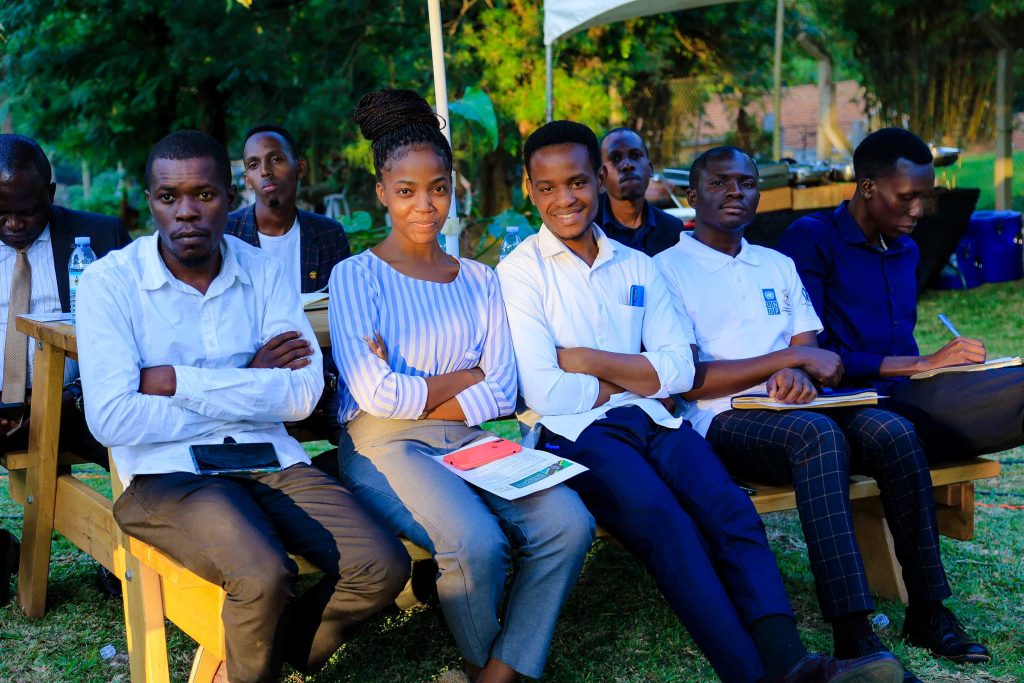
(954, 509)
(144, 619)
(204, 667)
(41, 481)
(885, 576)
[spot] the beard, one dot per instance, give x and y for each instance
(274, 202)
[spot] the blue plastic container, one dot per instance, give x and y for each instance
(998, 244)
(965, 269)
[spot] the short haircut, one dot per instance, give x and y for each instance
(18, 153)
(394, 120)
(191, 144)
(562, 133)
(700, 164)
(877, 154)
(273, 128)
(624, 129)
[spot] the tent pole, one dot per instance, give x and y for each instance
(777, 87)
(451, 226)
(549, 83)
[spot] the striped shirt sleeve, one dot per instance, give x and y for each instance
(496, 395)
(354, 313)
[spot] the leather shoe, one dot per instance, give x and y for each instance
(880, 667)
(871, 645)
(10, 554)
(943, 635)
(107, 582)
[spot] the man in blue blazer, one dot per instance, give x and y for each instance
(308, 244)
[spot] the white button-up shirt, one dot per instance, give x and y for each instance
(554, 300)
(739, 307)
(133, 314)
(45, 297)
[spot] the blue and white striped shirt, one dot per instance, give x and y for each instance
(429, 328)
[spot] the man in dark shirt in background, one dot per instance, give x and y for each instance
(858, 264)
(624, 214)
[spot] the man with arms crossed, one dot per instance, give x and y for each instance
(189, 337)
(625, 214)
(859, 265)
(580, 309)
(755, 327)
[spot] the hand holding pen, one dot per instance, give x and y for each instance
(960, 351)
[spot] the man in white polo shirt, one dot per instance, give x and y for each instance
(755, 327)
(598, 346)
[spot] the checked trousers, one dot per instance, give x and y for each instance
(817, 453)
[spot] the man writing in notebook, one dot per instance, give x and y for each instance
(755, 328)
(859, 265)
(597, 345)
(190, 338)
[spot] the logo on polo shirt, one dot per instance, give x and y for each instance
(771, 302)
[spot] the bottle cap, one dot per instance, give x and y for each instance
(512, 228)
(79, 241)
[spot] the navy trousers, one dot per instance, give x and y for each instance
(664, 495)
(816, 452)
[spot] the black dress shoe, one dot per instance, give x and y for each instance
(10, 554)
(872, 645)
(107, 582)
(880, 667)
(943, 635)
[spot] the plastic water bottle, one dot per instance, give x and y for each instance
(80, 258)
(509, 242)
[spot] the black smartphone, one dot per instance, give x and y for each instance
(12, 412)
(235, 458)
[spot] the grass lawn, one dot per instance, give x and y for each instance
(978, 170)
(616, 626)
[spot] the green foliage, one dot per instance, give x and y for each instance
(477, 107)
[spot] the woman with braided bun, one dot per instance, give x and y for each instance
(422, 344)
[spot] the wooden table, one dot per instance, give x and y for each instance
(41, 480)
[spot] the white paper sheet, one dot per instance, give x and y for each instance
(517, 475)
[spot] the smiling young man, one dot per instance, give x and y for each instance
(625, 215)
(755, 328)
(859, 265)
(307, 244)
(188, 338)
(598, 347)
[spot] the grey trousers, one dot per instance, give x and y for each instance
(476, 537)
(237, 533)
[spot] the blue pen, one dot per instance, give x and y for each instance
(636, 296)
(949, 326)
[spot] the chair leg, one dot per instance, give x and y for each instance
(144, 619)
(885, 576)
(204, 667)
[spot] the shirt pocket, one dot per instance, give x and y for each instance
(625, 331)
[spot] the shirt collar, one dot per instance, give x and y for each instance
(711, 259)
(550, 245)
(852, 234)
(608, 216)
(44, 238)
(155, 273)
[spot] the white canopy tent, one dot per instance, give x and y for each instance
(562, 18)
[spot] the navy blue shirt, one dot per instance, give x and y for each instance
(866, 297)
(658, 232)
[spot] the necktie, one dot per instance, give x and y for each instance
(16, 344)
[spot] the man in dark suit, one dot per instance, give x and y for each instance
(273, 169)
(36, 241)
(625, 215)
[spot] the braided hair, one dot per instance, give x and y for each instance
(394, 120)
